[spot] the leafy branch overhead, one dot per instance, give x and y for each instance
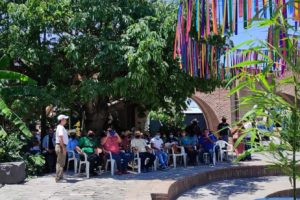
(86, 54)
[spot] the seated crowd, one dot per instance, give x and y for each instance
(125, 147)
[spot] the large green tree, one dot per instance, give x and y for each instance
(85, 54)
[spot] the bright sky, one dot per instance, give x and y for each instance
(246, 34)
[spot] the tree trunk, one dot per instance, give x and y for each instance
(96, 115)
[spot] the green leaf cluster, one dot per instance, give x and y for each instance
(81, 51)
(269, 106)
(14, 134)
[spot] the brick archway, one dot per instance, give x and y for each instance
(210, 116)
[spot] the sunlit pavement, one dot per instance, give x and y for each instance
(104, 186)
(237, 189)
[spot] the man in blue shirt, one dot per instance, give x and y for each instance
(187, 142)
(73, 142)
(207, 142)
(48, 145)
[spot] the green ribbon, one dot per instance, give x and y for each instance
(245, 13)
(270, 7)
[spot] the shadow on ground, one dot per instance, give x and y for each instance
(169, 174)
(222, 190)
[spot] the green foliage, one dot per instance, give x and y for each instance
(14, 134)
(4, 61)
(266, 101)
(170, 121)
(34, 164)
(11, 145)
(5, 111)
(79, 51)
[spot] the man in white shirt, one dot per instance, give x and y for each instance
(61, 139)
(157, 145)
(138, 144)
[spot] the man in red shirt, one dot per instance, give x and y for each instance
(111, 143)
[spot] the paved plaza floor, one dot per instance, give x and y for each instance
(237, 189)
(132, 186)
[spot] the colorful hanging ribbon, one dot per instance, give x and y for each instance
(206, 61)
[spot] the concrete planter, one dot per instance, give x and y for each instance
(203, 178)
(284, 193)
(12, 172)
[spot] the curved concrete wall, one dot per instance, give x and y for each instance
(204, 178)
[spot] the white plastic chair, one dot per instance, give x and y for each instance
(206, 158)
(137, 160)
(214, 154)
(225, 147)
(87, 165)
(156, 161)
(181, 154)
(74, 159)
(113, 164)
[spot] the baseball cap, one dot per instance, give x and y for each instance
(61, 117)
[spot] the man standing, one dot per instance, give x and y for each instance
(61, 139)
(224, 130)
(49, 150)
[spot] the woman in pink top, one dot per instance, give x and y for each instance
(238, 132)
(111, 143)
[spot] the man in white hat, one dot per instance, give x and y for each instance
(61, 139)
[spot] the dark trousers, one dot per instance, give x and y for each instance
(144, 156)
(121, 159)
(50, 159)
(95, 161)
(192, 155)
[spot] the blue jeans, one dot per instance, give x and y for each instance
(70, 155)
(162, 157)
(121, 159)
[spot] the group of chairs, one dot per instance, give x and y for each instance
(81, 162)
(220, 149)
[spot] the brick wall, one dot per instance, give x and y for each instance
(219, 103)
